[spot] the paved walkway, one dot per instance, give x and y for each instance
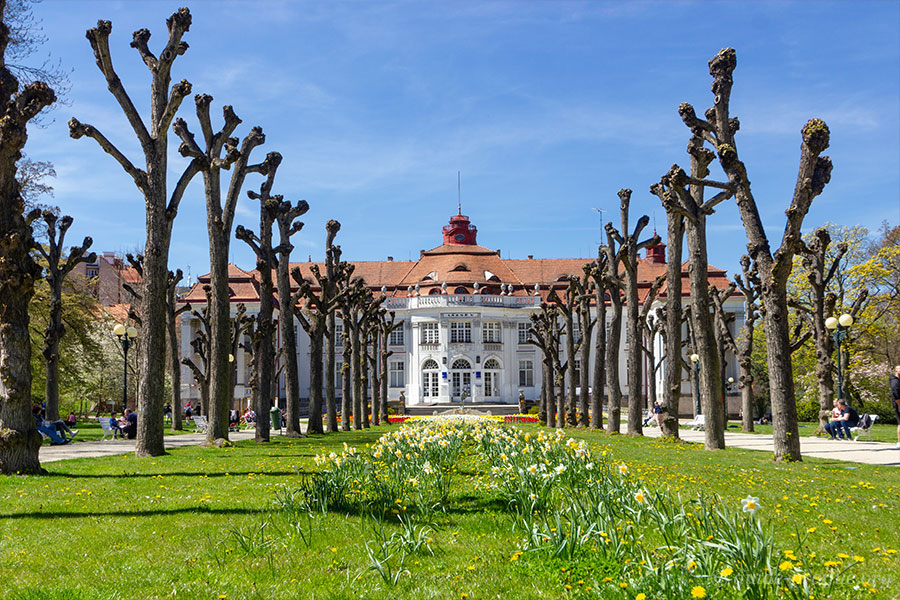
(873, 453)
(111, 447)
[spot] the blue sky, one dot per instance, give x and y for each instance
(546, 108)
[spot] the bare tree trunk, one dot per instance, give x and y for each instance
(813, 174)
(286, 217)
(346, 376)
(55, 276)
(672, 390)
(161, 208)
(174, 353)
(614, 404)
(315, 375)
(710, 372)
(549, 404)
(599, 379)
(330, 291)
(376, 375)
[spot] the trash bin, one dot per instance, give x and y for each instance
(275, 413)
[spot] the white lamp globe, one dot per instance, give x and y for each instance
(231, 358)
(831, 323)
(845, 320)
(119, 329)
(132, 332)
(695, 358)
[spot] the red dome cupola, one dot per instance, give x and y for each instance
(460, 232)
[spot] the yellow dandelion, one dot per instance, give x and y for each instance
(698, 591)
(726, 572)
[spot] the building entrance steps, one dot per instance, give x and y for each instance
(491, 407)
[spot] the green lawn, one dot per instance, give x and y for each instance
(202, 523)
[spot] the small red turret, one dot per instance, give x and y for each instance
(460, 232)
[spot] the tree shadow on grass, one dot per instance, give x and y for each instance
(201, 509)
(177, 474)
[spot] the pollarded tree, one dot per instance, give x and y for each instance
(19, 439)
(386, 324)
(313, 317)
(200, 367)
(330, 290)
(55, 275)
(264, 335)
(161, 207)
(819, 304)
(545, 334)
(650, 327)
(568, 309)
(719, 129)
(286, 217)
(685, 195)
(597, 269)
(629, 246)
(210, 161)
(173, 312)
(586, 327)
(672, 327)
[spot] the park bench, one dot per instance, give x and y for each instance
(698, 424)
(108, 431)
(864, 427)
(200, 423)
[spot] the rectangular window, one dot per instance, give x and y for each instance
(93, 272)
(524, 335)
(577, 370)
(460, 332)
(396, 337)
(430, 333)
(526, 373)
(338, 334)
(490, 333)
(397, 374)
(338, 377)
(576, 331)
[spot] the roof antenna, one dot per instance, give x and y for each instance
(459, 193)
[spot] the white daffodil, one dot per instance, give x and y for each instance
(750, 504)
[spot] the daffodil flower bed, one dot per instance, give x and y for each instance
(572, 504)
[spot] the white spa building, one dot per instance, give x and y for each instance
(465, 314)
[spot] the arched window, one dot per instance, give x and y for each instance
(430, 378)
(492, 363)
(460, 364)
(430, 277)
(460, 267)
(434, 291)
(460, 290)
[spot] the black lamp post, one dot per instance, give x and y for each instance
(695, 359)
(839, 327)
(126, 338)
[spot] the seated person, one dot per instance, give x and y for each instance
(234, 419)
(47, 429)
(59, 425)
(114, 425)
(71, 420)
(130, 426)
(249, 416)
(840, 428)
(655, 414)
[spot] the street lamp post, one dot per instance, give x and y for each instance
(695, 358)
(126, 338)
(839, 330)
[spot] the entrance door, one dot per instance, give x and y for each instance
(461, 378)
(492, 378)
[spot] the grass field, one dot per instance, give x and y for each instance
(203, 523)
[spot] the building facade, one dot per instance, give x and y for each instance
(465, 315)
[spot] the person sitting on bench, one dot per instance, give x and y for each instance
(841, 426)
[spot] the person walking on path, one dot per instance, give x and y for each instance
(895, 397)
